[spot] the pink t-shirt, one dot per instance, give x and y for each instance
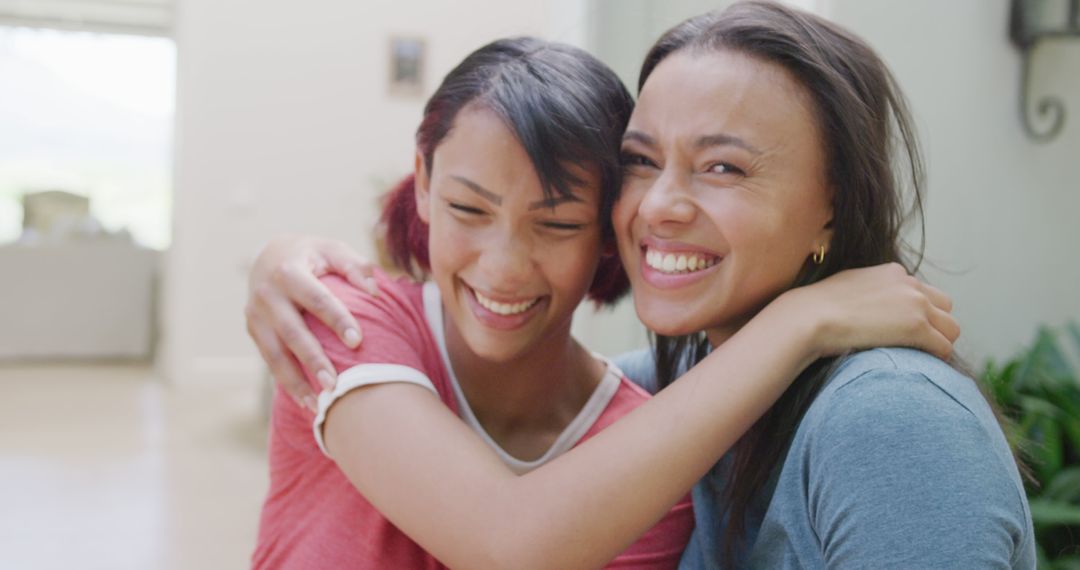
(314, 518)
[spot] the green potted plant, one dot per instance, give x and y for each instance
(1039, 391)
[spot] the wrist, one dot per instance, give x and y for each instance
(803, 318)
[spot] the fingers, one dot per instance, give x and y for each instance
(305, 289)
(945, 323)
(299, 342)
(356, 268)
(283, 367)
(938, 297)
(939, 315)
(935, 343)
(938, 329)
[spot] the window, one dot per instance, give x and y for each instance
(91, 114)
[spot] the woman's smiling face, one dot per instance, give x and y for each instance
(512, 263)
(724, 198)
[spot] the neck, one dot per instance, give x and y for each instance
(720, 334)
(534, 395)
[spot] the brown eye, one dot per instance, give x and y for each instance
(631, 159)
(725, 168)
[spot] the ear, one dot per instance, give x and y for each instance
(421, 186)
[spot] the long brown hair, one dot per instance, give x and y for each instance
(864, 124)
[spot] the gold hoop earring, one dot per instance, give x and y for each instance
(819, 256)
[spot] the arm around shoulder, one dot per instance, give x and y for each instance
(430, 475)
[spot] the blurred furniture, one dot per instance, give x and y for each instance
(77, 300)
(49, 211)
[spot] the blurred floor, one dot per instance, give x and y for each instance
(108, 467)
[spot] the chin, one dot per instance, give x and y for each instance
(659, 321)
(497, 351)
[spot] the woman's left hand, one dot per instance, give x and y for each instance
(876, 306)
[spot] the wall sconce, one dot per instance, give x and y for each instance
(1033, 21)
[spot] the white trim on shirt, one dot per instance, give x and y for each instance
(364, 375)
(367, 374)
(570, 435)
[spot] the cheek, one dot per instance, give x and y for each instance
(572, 264)
(762, 240)
(744, 222)
(770, 248)
(625, 209)
(804, 218)
(448, 244)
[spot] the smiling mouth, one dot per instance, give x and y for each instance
(504, 309)
(678, 263)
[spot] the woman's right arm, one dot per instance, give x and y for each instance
(434, 478)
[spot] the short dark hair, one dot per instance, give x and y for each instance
(565, 107)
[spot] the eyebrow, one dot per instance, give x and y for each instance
(725, 140)
(483, 192)
(701, 143)
(639, 137)
(497, 200)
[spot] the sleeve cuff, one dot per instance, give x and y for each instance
(364, 375)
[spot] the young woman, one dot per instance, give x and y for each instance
(763, 142)
(596, 498)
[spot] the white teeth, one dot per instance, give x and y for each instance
(677, 263)
(504, 308)
(669, 263)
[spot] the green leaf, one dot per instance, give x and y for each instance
(1072, 432)
(1066, 397)
(1067, 400)
(1051, 454)
(1044, 365)
(1074, 332)
(1039, 390)
(1043, 560)
(1065, 486)
(1053, 513)
(998, 383)
(1067, 563)
(1039, 407)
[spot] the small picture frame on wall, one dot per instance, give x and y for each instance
(407, 60)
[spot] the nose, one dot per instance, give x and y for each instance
(506, 263)
(667, 201)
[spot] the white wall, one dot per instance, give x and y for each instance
(1002, 212)
(284, 124)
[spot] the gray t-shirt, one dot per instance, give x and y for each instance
(898, 463)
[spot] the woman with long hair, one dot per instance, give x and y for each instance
(780, 144)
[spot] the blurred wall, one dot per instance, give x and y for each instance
(1002, 211)
(284, 123)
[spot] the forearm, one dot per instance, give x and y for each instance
(644, 463)
(463, 505)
